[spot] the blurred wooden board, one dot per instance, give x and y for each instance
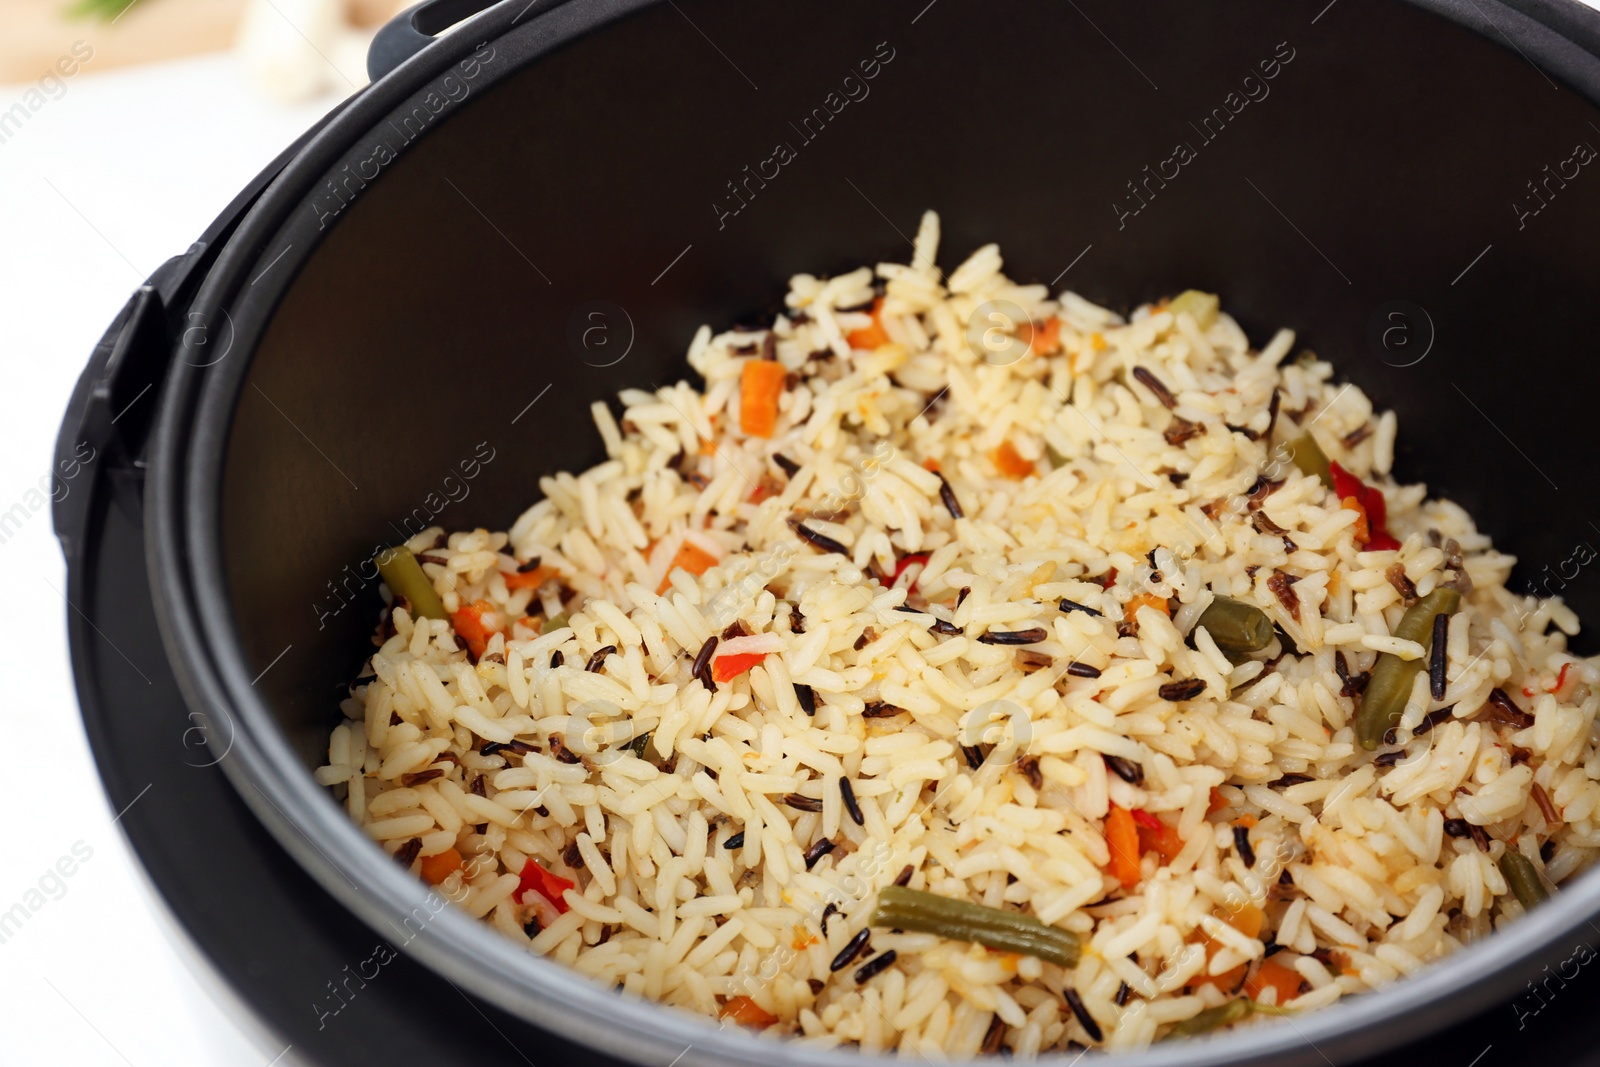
(34, 34)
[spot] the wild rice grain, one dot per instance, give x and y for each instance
(948, 496)
(1282, 586)
(1126, 769)
(851, 950)
(702, 664)
(406, 854)
(1031, 636)
(1182, 689)
(785, 464)
(847, 793)
(1082, 670)
(734, 841)
(875, 967)
(598, 660)
(1506, 711)
(904, 877)
(1437, 656)
(821, 542)
(994, 1036)
(795, 800)
(1157, 387)
(1085, 1020)
(818, 849)
(1072, 605)
(1241, 845)
(807, 698)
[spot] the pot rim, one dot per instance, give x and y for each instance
(189, 585)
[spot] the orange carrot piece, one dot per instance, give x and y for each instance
(1145, 600)
(727, 668)
(692, 558)
(1043, 339)
(1247, 919)
(1122, 837)
(1363, 528)
(746, 1012)
(1218, 801)
(1273, 975)
(530, 579)
(1010, 461)
(760, 386)
(1097, 342)
(471, 627)
(441, 865)
(870, 337)
(1161, 839)
(930, 464)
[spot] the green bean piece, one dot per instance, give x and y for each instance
(1004, 931)
(403, 575)
(1203, 306)
(1057, 460)
(1306, 454)
(1523, 877)
(1212, 1019)
(553, 623)
(1236, 626)
(1392, 677)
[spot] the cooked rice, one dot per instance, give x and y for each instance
(1352, 863)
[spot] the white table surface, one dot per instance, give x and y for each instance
(97, 188)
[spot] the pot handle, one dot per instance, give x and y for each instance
(415, 29)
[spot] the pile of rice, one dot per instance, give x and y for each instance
(1367, 865)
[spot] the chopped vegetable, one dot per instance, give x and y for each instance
(547, 885)
(908, 561)
(473, 625)
(1248, 920)
(1274, 975)
(441, 865)
(1373, 504)
(1203, 306)
(727, 668)
(530, 579)
(958, 920)
(1307, 455)
(554, 623)
(746, 1012)
(1523, 878)
(1145, 600)
(1122, 838)
(690, 557)
(1158, 837)
(870, 337)
(1392, 677)
(1363, 526)
(1010, 462)
(1236, 626)
(1042, 338)
(403, 575)
(760, 385)
(1211, 1019)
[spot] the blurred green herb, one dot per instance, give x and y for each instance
(105, 10)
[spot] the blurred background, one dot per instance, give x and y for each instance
(125, 128)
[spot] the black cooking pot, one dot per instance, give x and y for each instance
(405, 320)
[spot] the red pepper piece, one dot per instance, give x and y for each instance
(547, 885)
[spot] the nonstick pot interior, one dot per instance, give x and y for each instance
(599, 179)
